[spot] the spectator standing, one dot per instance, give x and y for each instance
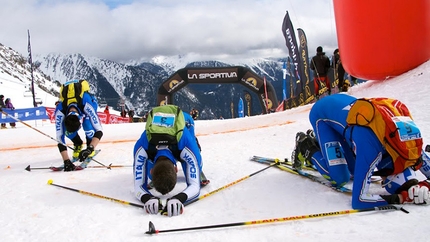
(9, 105)
(106, 111)
(320, 65)
(131, 115)
(194, 113)
(123, 113)
(2, 105)
(338, 67)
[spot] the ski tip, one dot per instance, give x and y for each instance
(28, 168)
(50, 181)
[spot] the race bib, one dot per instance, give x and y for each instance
(334, 153)
(407, 128)
(163, 119)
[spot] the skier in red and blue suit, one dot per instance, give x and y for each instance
(356, 153)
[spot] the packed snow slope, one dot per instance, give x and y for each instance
(32, 210)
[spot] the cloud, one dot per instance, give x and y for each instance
(139, 30)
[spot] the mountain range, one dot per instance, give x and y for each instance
(135, 85)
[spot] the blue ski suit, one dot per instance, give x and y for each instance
(348, 151)
(187, 153)
(88, 114)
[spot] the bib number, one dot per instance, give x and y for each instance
(334, 153)
(163, 119)
(407, 128)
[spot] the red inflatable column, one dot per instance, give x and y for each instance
(383, 38)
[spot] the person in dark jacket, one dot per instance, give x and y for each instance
(338, 67)
(2, 105)
(320, 64)
(9, 105)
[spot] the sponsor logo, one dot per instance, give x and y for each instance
(89, 133)
(173, 84)
(138, 174)
(92, 114)
(58, 121)
(251, 82)
(213, 75)
(190, 161)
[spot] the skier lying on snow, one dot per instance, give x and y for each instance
(155, 161)
(337, 160)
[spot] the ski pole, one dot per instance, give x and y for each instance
(152, 229)
(304, 174)
(18, 120)
(230, 184)
(28, 168)
(51, 182)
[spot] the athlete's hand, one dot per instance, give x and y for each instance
(83, 155)
(174, 207)
(416, 194)
(153, 205)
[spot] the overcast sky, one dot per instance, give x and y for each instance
(124, 30)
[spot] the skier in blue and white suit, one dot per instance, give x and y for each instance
(69, 119)
(156, 167)
(358, 151)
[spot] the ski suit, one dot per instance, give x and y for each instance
(186, 151)
(345, 151)
(90, 120)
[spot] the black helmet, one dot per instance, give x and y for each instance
(72, 122)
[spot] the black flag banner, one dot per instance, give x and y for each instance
(291, 42)
(308, 88)
(30, 61)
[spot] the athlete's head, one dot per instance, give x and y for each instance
(164, 175)
(73, 118)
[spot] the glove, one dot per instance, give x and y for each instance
(174, 207)
(68, 165)
(416, 194)
(83, 155)
(153, 205)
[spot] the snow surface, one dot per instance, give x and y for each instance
(32, 210)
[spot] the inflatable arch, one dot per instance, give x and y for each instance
(231, 75)
(384, 38)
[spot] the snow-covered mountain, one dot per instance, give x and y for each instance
(15, 68)
(136, 84)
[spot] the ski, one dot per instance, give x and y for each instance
(29, 168)
(79, 167)
(286, 162)
(302, 173)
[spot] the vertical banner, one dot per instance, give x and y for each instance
(232, 109)
(291, 79)
(308, 88)
(284, 81)
(240, 109)
(30, 61)
(265, 95)
(248, 99)
(291, 42)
